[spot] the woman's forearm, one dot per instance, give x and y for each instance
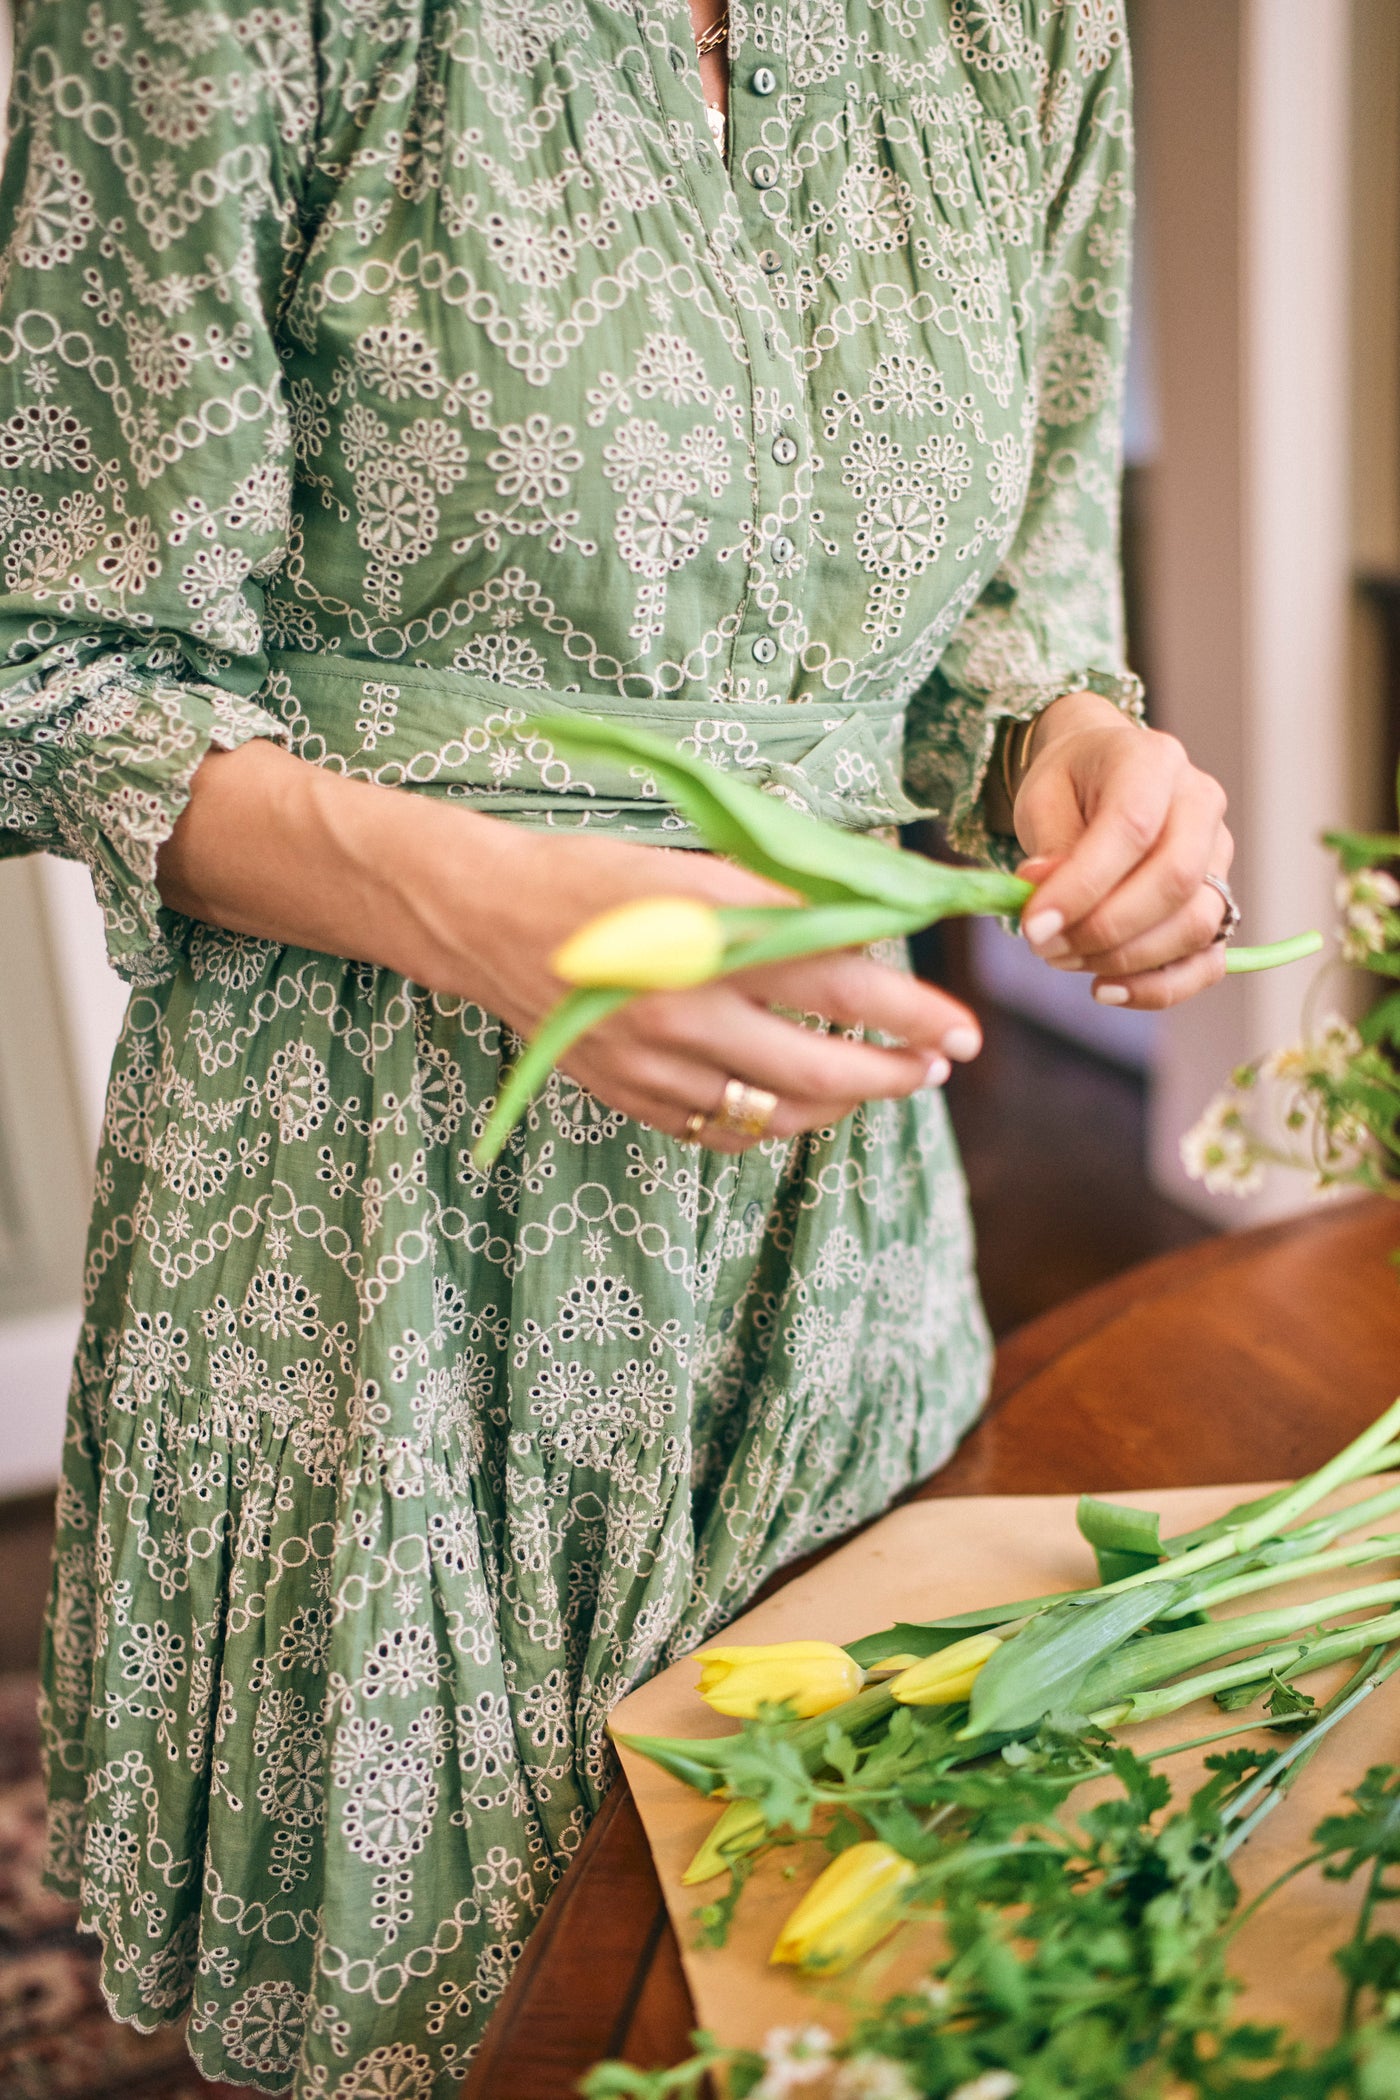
(272, 845)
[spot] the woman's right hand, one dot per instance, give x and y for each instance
(666, 1055)
(476, 906)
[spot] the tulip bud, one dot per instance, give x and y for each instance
(739, 1830)
(656, 944)
(947, 1677)
(808, 1676)
(849, 1909)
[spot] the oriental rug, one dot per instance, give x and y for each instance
(57, 2040)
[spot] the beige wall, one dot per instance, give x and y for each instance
(61, 1011)
(1246, 123)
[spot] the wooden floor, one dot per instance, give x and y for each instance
(1052, 1141)
(1053, 1144)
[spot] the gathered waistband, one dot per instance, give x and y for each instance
(455, 734)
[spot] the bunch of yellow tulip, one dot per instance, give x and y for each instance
(1141, 1644)
(857, 1900)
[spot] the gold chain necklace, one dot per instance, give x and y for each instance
(714, 37)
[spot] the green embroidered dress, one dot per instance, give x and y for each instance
(374, 372)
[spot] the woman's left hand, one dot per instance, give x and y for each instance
(1121, 831)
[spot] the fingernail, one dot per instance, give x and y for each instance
(1042, 927)
(1112, 994)
(1051, 951)
(938, 1070)
(962, 1044)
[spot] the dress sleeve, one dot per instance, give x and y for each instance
(1050, 621)
(152, 184)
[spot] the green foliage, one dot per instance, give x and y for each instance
(1124, 1540)
(1371, 1832)
(1088, 1953)
(1046, 1665)
(1088, 1959)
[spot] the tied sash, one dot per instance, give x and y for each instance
(456, 734)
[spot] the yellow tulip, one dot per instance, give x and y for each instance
(738, 1830)
(808, 1676)
(947, 1677)
(657, 944)
(849, 1909)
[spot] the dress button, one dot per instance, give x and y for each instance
(764, 176)
(785, 450)
(769, 261)
(764, 649)
(783, 548)
(764, 80)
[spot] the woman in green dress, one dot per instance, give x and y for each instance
(373, 375)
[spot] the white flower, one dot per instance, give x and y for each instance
(872, 2078)
(992, 2085)
(1326, 1056)
(1368, 886)
(1364, 899)
(1218, 1151)
(795, 2056)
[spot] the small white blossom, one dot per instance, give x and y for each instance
(1364, 900)
(1218, 1151)
(1326, 1056)
(1368, 886)
(872, 2078)
(992, 2085)
(795, 2056)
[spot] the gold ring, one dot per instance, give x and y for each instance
(694, 1124)
(746, 1111)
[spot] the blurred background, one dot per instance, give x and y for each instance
(1262, 555)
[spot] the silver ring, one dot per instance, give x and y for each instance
(1230, 925)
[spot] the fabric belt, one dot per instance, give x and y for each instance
(454, 734)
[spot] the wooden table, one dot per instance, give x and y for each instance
(1250, 1357)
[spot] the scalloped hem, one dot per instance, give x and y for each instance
(217, 2073)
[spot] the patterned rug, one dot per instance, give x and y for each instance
(57, 2041)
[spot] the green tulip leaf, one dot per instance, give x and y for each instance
(562, 1026)
(1041, 1669)
(767, 835)
(776, 933)
(1124, 1540)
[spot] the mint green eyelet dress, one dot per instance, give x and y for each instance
(375, 374)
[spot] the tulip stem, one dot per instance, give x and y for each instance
(1272, 955)
(1294, 1659)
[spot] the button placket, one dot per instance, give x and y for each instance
(757, 186)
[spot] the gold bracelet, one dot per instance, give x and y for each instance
(1012, 774)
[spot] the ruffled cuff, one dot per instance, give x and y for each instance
(965, 822)
(114, 752)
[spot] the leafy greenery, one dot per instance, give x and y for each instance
(1087, 1957)
(1088, 1954)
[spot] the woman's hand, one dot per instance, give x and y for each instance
(666, 1055)
(1122, 830)
(472, 905)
